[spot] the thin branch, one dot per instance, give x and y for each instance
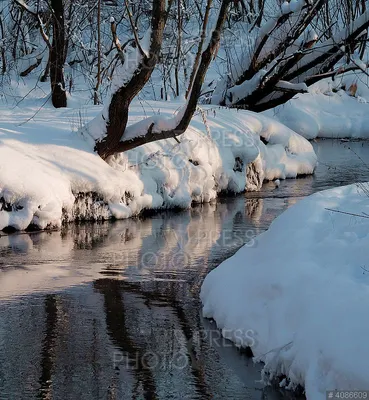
(347, 213)
(116, 41)
(331, 74)
(40, 108)
(134, 29)
(24, 6)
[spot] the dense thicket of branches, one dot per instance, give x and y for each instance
(91, 57)
(296, 45)
(260, 53)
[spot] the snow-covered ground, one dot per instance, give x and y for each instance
(49, 171)
(299, 295)
(328, 110)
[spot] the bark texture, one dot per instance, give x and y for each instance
(58, 55)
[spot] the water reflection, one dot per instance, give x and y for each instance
(47, 354)
(165, 247)
(112, 310)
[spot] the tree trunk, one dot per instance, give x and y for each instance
(46, 74)
(201, 44)
(179, 46)
(98, 76)
(57, 56)
(3, 56)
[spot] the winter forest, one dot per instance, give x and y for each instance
(184, 199)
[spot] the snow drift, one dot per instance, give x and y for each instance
(331, 109)
(298, 294)
(50, 174)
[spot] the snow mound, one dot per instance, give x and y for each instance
(49, 172)
(298, 294)
(329, 110)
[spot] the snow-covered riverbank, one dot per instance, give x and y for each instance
(332, 109)
(298, 294)
(49, 172)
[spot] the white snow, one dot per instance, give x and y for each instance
(292, 86)
(285, 7)
(238, 92)
(45, 162)
(296, 5)
(324, 113)
(298, 294)
(268, 26)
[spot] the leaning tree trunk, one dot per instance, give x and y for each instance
(288, 56)
(57, 56)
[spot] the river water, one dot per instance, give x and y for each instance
(112, 310)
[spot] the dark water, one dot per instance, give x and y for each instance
(112, 311)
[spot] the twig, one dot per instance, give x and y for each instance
(33, 116)
(364, 269)
(277, 349)
(347, 213)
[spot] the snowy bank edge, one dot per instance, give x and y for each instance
(302, 317)
(221, 151)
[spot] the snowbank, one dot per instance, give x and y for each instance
(49, 172)
(299, 294)
(328, 110)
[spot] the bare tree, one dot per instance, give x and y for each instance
(179, 45)
(114, 139)
(286, 46)
(57, 48)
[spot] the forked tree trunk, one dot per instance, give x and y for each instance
(207, 55)
(114, 140)
(57, 56)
